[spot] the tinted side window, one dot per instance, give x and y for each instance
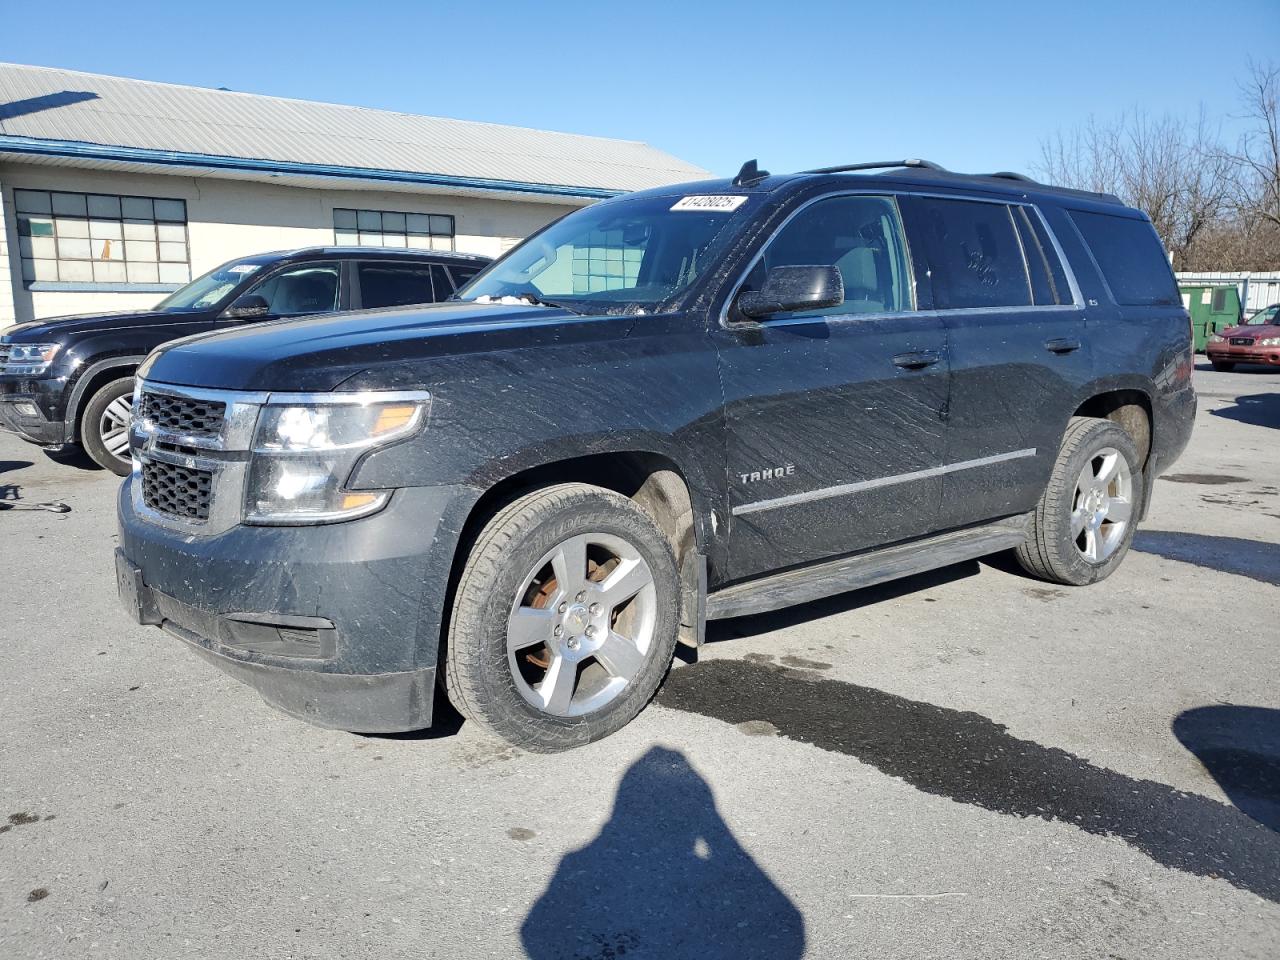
(975, 259)
(1048, 279)
(312, 288)
(1130, 257)
(395, 284)
(860, 235)
(462, 275)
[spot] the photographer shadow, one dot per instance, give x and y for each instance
(665, 879)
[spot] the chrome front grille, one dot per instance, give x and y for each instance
(176, 490)
(189, 416)
(5, 350)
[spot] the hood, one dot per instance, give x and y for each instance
(1256, 331)
(56, 328)
(320, 353)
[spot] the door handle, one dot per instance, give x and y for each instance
(917, 359)
(1062, 345)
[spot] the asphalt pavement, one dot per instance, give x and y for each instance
(964, 764)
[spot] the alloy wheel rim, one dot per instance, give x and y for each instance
(581, 626)
(113, 427)
(1102, 507)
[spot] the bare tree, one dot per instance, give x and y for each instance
(1174, 170)
(1258, 156)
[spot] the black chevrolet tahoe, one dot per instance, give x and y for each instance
(70, 379)
(697, 401)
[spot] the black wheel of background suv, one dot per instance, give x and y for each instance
(1223, 366)
(104, 428)
(564, 619)
(1083, 525)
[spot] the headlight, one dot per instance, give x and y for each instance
(1216, 339)
(303, 455)
(30, 358)
(1270, 342)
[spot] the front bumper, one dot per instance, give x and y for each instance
(338, 625)
(21, 414)
(1231, 353)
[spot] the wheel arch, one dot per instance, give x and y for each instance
(93, 378)
(652, 479)
(1130, 408)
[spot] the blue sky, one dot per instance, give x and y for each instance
(972, 86)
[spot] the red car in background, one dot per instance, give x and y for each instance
(1257, 340)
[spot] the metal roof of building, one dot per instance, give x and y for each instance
(53, 113)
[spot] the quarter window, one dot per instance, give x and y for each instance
(975, 258)
(387, 228)
(101, 238)
(1048, 279)
(862, 236)
(1131, 259)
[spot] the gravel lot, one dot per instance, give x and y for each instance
(965, 764)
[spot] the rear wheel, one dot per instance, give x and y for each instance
(104, 428)
(564, 620)
(1223, 366)
(1083, 525)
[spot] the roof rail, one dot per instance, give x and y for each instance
(881, 164)
(1008, 175)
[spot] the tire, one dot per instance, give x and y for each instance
(1063, 545)
(101, 430)
(1223, 366)
(500, 591)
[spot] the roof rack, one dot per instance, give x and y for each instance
(881, 164)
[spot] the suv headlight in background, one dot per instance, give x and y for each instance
(30, 359)
(305, 450)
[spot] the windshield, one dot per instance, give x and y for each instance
(618, 256)
(205, 292)
(1264, 317)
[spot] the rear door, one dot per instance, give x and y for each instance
(1016, 340)
(834, 417)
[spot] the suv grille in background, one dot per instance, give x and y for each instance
(201, 418)
(177, 491)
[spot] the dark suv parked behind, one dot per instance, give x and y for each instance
(698, 401)
(70, 379)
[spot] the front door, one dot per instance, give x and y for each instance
(834, 417)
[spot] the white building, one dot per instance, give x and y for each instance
(114, 192)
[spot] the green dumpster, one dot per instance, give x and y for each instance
(1212, 308)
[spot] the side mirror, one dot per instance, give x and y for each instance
(247, 307)
(791, 289)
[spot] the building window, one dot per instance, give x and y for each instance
(101, 238)
(607, 262)
(385, 228)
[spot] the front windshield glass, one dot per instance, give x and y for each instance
(205, 292)
(617, 256)
(1264, 317)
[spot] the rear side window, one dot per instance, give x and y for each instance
(462, 275)
(1048, 279)
(975, 257)
(1130, 257)
(396, 284)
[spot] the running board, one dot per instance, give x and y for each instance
(866, 569)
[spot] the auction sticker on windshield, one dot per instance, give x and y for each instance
(710, 203)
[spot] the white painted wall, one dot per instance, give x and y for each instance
(7, 315)
(230, 218)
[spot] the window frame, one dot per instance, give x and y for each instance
(92, 285)
(898, 194)
(452, 235)
(727, 322)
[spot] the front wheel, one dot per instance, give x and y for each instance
(104, 428)
(564, 620)
(1083, 525)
